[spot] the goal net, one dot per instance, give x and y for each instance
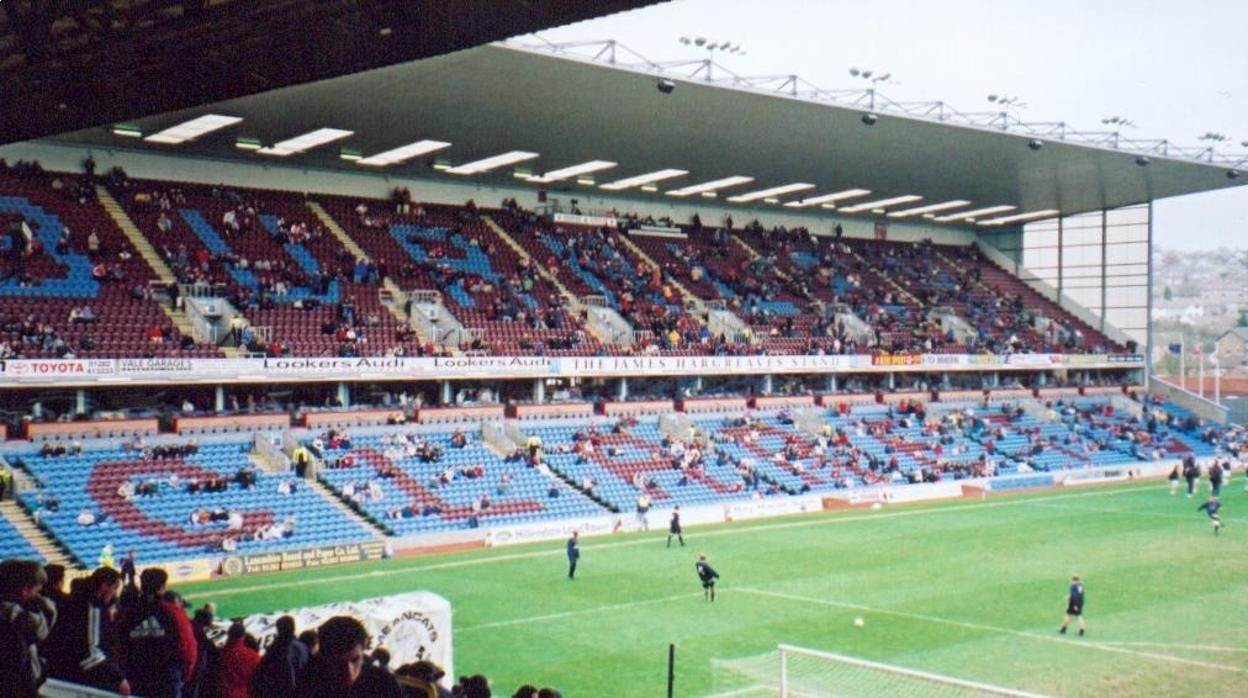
(797, 672)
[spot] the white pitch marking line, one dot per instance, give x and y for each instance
(1210, 648)
(573, 614)
(991, 628)
(731, 531)
(1196, 514)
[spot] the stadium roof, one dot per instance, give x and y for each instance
(69, 65)
(497, 99)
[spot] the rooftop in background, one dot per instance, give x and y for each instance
(571, 111)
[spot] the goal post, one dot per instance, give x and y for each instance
(807, 672)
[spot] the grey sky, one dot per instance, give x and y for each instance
(1176, 69)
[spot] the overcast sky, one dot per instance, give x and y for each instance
(1177, 69)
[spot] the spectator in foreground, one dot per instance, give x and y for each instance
(160, 647)
(83, 645)
(25, 619)
(475, 686)
(238, 662)
(423, 678)
(312, 641)
(206, 683)
(341, 669)
(282, 664)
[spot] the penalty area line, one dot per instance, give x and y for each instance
(1173, 645)
(1069, 642)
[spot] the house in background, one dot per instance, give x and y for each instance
(1232, 347)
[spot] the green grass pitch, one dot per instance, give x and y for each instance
(973, 589)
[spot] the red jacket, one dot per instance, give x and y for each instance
(238, 663)
(188, 650)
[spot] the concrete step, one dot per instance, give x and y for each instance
(569, 297)
(755, 254)
(337, 231)
(336, 501)
(358, 252)
(134, 235)
(698, 303)
(37, 537)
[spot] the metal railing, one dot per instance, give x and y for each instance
(870, 99)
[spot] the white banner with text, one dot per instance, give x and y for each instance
(17, 372)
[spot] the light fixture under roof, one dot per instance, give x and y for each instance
(968, 215)
(881, 203)
(572, 171)
(929, 208)
(190, 130)
(647, 178)
(493, 162)
(127, 131)
(305, 142)
(769, 193)
(1021, 217)
(403, 153)
(711, 186)
(826, 199)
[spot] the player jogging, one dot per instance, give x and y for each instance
(1211, 507)
(708, 575)
(674, 529)
(1074, 606)
(1174, 480)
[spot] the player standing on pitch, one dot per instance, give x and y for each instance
(674, 529)
(574, 554)
(1211, 507)
(1074, 605)
(708, 575)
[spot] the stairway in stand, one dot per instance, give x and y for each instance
(325, 493)
(38, 537)
(698, 304)
(149, 254)
(396, 295)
